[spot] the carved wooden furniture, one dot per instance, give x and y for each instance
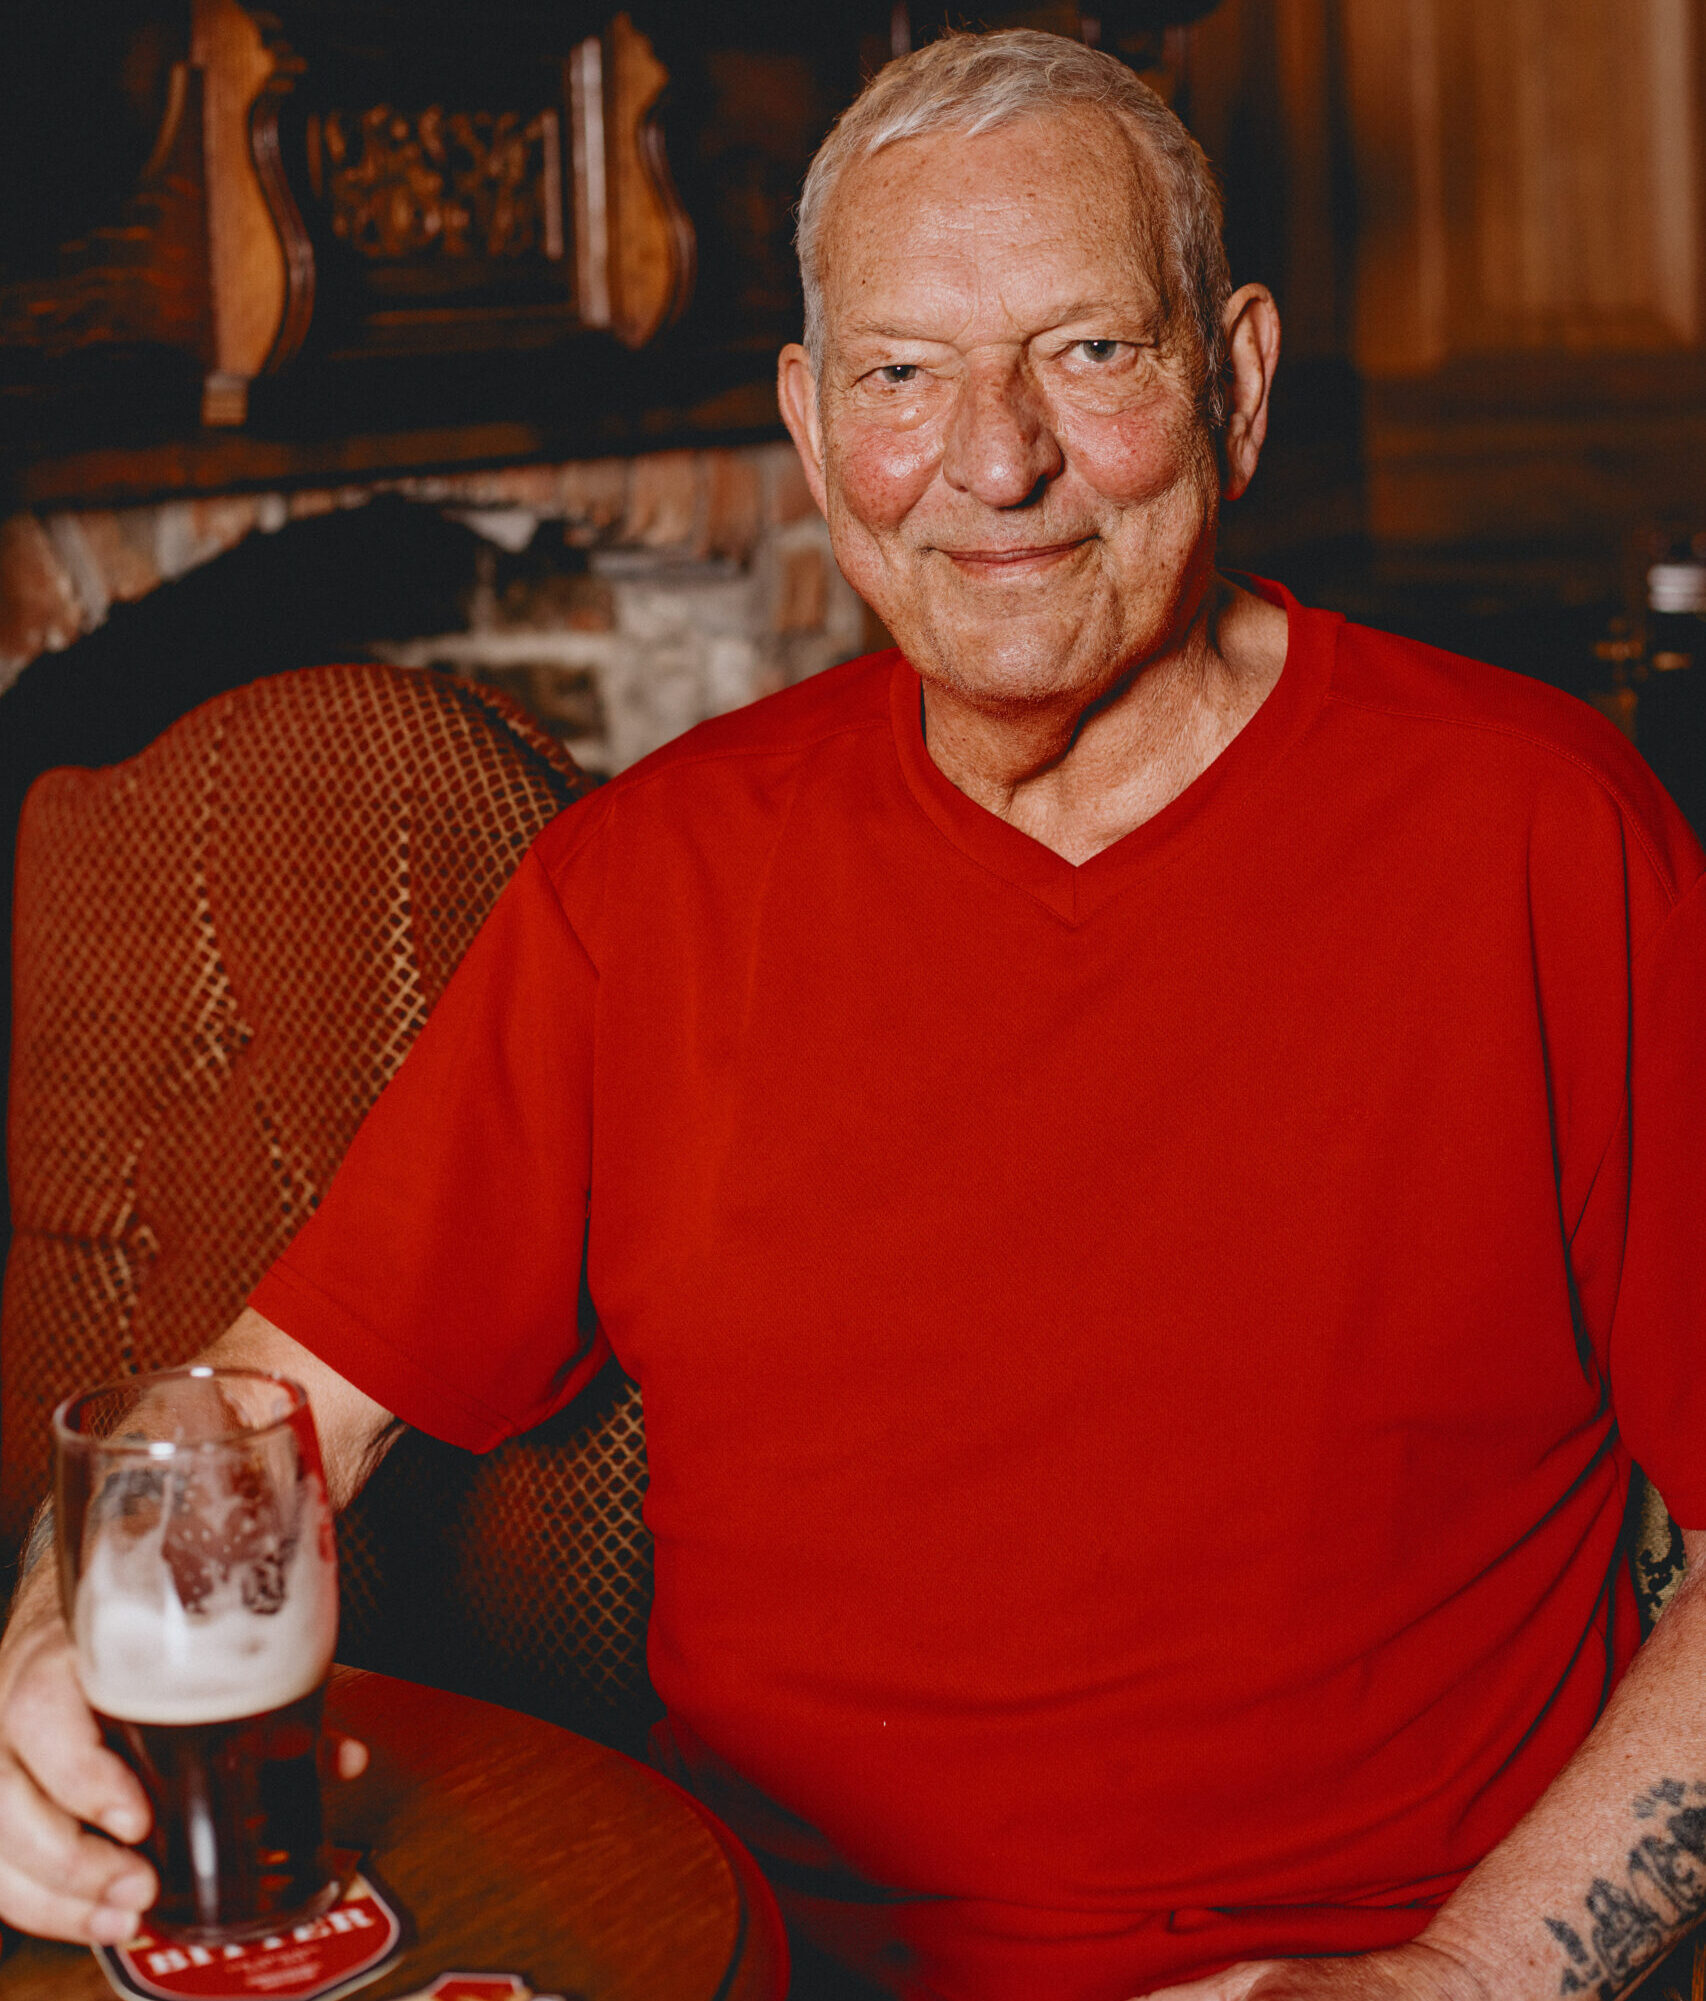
(295, 194)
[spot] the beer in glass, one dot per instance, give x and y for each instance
(199, 1580)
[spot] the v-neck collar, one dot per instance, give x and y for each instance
(1073, 891)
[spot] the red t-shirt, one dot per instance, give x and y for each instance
(1141, 1361)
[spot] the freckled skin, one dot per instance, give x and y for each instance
(1008, 447)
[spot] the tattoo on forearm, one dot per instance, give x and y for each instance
(1629, 1923)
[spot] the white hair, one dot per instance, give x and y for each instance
(971, 83)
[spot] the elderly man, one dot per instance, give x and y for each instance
(1144, 1148)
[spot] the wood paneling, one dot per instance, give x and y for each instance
(1528, 319)
(1527, 176)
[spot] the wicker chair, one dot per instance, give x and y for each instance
(223, 949)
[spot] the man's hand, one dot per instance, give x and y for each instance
(58, 1782)
(1414, 1972)
(56, 1877)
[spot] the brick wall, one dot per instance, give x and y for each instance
(621, 600)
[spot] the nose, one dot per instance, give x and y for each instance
(1000, 448)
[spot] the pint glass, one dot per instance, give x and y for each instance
(199, 1581)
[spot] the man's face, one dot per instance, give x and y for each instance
(1009, 448)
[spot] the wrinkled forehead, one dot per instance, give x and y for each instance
(1074, 182)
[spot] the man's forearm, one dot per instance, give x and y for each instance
(37, 1544)
(37, 1586)
(1609, 1867)
(355, 1432)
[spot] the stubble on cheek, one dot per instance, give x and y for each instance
(1157, 468)
(1140, 458)
(874, 485)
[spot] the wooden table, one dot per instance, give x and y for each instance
(519, 1847)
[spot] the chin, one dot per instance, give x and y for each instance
(1007, 667)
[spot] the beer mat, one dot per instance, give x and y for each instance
(334, 1954)
(477, 1987)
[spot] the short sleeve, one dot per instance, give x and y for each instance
(441, 1273)
(1658, 1340)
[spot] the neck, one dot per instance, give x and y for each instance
(1079, 779)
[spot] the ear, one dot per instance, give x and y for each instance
(1252, 343)
(796, 392)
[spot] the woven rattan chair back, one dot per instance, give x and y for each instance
(223, 949)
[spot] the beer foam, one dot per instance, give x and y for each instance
(143, 1658)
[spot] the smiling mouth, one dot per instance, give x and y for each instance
(1015, 562)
